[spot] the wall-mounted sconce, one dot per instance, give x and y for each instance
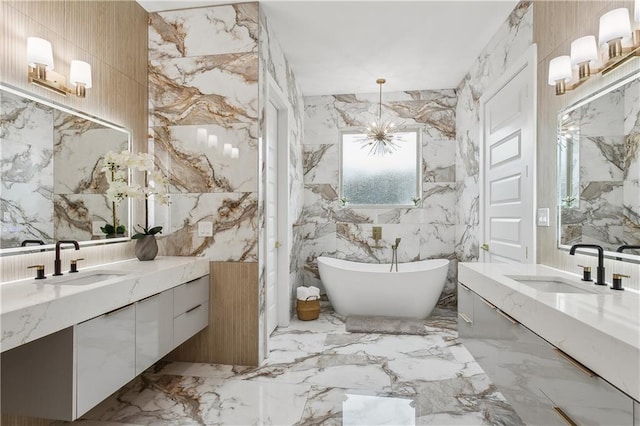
(235, 153)
(40, 60)
(226, 150)
(614, 32)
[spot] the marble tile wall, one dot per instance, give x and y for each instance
(209, 69)
(512, 39)
(203, 74)
(327, 228)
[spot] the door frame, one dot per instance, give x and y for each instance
(284, 232)
(530, 57)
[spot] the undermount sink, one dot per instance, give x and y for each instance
(551, 284)
(84, 278)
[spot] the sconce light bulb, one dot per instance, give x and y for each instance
(614, 25)
(560, 72)
(80, 73)
(39, 51)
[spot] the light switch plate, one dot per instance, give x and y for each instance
(543, 217)
(205, 229)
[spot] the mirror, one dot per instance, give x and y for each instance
(599, 169)
(52, 183)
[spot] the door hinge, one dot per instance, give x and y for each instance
(526, 171)
(485, 247)
(526, 252)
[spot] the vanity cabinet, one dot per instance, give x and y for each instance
(63, 375)
(106, 355)
(190, 309)
(543, 384)
(154, 329)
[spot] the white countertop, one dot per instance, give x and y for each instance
(600, 330)
(30, 309)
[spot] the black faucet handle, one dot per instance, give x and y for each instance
(74, 264)
(586, 273)
(617, 281)
(39, 271)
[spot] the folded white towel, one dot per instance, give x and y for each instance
(314, 291)
(302, 293)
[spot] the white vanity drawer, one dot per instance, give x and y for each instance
(105, 356)
(581, 394)
(190, 322)
(191, 294)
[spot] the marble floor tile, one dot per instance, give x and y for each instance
(177, 400)
(319, 374)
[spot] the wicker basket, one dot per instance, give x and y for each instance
(308, 310)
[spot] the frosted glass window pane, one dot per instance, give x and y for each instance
(391, 179)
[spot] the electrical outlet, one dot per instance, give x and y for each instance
(205, 229)
(543, 217)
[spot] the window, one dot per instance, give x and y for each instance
(373, 180)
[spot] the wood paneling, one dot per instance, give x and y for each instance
(555, 25)
(110, 35)
(232, 335)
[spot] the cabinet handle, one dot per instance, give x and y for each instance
(149, 297)
(508, 317)
(193, 309)
(115, 311)
(194, 280)
(465, 318)
(489, 304)
(565, 416)
(575, 363)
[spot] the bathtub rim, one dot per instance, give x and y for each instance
(343, 264)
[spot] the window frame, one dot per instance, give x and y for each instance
(419, 161)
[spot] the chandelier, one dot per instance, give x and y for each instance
(379, 137)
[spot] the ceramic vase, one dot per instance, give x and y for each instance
(146, 247)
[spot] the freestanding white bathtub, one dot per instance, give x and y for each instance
(355, 288)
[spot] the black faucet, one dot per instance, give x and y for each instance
(600, 269)
(25, 242)
(57, 265)
(626, 247)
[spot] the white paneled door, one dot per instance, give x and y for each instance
(508, 166)
(271, 213)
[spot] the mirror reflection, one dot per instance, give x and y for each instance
(599, 169)
(52, 183)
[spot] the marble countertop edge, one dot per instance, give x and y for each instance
(31, 310)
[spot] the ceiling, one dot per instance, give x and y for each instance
(344, 46)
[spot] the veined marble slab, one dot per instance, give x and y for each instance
(600, 330)
(30, 309)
